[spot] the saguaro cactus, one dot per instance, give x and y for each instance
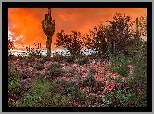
(137, 30)
(48, 26)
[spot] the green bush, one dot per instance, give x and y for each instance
(89, 81)
(83, 61)
(61, 101)
(55, 69)
(124, 96)
(70, 59)
(46, 58)
(57, 57)
(71, 90)
(119, 65)
(29, 59)
(46, 94)
(39, 66)
(92, 82)
(81, 96)
(71, 70)
(39, 96)
(66, 84)
(14, 86)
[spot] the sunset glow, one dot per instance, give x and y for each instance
(25, 27)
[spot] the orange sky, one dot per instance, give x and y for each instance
(26, 22)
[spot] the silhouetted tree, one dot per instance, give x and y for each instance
(97, 40)
(72, 42)
(119, 32)
(10, 45)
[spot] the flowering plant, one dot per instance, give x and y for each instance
(110, 86)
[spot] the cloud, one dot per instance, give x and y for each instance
(66, 17)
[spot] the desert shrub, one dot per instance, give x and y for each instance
(92, 82)
(34, 52)
(74, 93)
(65, 83)
(92, 70)
(14, 86)
(57, 57)
(70, 59)
(122, 95)
(61, 101)
(44, 59)
(83, 61)
(39, 66)
(89, 81)
(72, 42)
(141, 101)
(70, 90)
(29, 59)
(12, 57)
(81, 96)
(94, 101)
(39, 96)
(26, 74)
(139, 61)
(55, 69)
(119, 64)
(71, 71)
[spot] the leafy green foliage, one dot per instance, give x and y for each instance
(39, 94)
(73, 91)
(92, 82)
(89, 81)
(124, 97)
(119, 64)
(55, 69)
(14, 86)
(61, 101)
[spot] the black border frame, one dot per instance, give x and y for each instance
(6, 5)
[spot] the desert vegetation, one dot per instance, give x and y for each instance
(114, 74)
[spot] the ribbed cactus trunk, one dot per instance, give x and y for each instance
(137, 30)
(48, 27)
(48, 45)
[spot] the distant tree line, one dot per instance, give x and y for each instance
(118, 36)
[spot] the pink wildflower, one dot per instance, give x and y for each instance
(111, 86)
